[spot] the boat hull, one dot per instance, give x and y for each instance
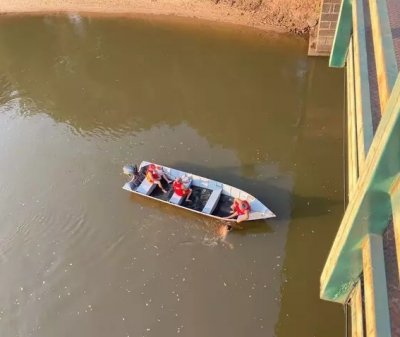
(209, 197)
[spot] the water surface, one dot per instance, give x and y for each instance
(80, 97)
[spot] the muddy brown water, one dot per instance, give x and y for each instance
(82, 96)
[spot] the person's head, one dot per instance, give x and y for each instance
(243, 205)
(152, 167)
(178, 180)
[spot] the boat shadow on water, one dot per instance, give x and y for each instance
(275, 191)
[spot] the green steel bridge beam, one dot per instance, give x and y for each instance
(370, 209)
(385, 59)
(377, 317)
(364, 126)
(341, 40)
(395, 194)
(357, 324)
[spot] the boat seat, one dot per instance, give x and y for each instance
(212, 201)
(177, 199)
(146, 187)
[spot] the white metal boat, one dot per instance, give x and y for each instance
(209, 197)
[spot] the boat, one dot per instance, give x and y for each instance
(209, 197)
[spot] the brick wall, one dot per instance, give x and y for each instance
(321, 44)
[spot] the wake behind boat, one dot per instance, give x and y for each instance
(209, 197)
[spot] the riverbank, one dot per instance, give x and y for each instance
(296, 16)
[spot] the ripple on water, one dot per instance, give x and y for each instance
(194, 229)
(42, 227)
(7, 91)
(113, 246)
(74, 228)
(12, 99)
(7, 242)
(100, 131)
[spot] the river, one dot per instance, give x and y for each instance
(82, 96)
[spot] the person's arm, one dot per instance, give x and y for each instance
(244, 217)
(231, 216)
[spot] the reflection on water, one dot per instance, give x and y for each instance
(80, 97)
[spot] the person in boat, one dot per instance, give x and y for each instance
(240, 209)
(182, 188)
(154, 175)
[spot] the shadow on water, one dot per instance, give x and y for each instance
(282, 201)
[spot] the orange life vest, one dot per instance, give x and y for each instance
(179, 188)
(152, 173)
(241, 207)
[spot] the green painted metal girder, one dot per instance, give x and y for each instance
(377, 317)
(357, 326)
(395, 196)
(385, 57)
(370, 208)
(342, 36)
(362, 88)
(352, 153)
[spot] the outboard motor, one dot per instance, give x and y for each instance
(130, 170)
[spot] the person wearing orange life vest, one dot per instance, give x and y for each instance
(155, 174)
(181, 189)
(240, 209)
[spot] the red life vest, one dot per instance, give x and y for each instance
(179, 188)
(238, 207)
(154, 174)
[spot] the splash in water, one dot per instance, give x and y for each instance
(218, 232)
